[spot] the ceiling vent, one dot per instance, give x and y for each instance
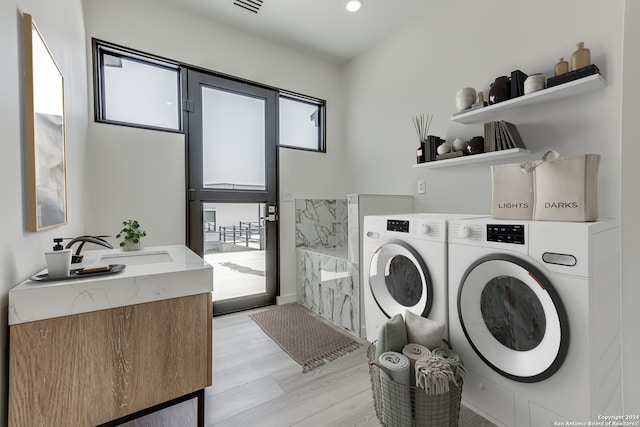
(250, 5)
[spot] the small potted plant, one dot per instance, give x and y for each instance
(131, 234)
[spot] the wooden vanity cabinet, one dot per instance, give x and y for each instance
(88, 369)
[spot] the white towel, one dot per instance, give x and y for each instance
(396, 394)
(414, 352)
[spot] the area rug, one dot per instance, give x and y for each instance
(308, 340)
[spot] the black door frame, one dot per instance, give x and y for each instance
(196, 195)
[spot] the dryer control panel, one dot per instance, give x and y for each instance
(505, 233)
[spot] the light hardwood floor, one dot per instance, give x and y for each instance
(255, 383)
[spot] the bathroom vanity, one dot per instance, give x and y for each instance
(101, 349)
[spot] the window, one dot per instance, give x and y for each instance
(302, 122)
(135, 89)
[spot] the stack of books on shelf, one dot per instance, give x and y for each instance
(501, 135)
(573, 75)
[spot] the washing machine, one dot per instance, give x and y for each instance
(534, 313)
(405, 259)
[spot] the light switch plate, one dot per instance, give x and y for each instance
(422, 186)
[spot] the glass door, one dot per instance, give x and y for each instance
(233, 188)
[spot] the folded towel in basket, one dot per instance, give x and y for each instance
(454, 361)
(433, 374)
(396, 394)
(433, 407)
(414, 352)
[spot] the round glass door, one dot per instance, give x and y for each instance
(513, 318)
(399, 279)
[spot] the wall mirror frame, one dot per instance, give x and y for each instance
(45, 132)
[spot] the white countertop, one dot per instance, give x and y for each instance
(184, 274)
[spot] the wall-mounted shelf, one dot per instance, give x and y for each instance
(456, 161)
(585, 84)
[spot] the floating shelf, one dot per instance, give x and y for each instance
(494, 155)
(585, 84)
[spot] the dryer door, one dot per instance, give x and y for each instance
(399, 279)
(513, 318)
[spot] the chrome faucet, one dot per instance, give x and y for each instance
(98, 240)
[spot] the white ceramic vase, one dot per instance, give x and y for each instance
(534, 83)
(459, 144)
(444, 148)
(465, 98)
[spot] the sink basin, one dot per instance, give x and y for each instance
(137, 258)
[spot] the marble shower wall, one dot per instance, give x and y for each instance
(321, 223)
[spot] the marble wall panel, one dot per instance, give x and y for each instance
(321, 223)
(329, 286)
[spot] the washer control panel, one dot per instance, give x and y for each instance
(401, 226)
(505, 233)
(415, 228)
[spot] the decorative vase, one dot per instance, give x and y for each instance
(581, 57)
(500, 90)
(459, 144)
(465, 97)
(129, 245)
(534, 83)
(562, 67)
(444, 148)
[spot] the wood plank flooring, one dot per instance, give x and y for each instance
(255, 383)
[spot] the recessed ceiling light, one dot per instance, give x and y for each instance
(354, 5)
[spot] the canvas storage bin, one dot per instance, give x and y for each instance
(565, 188)
(512, 192)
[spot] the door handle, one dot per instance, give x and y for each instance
(272, 215)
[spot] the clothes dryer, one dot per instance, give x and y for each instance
(405, 267)
(534, 315)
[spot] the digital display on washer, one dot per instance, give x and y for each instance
(401, 226)
(502, 233)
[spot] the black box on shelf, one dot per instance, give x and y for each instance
(589, 70)
(517, 83)
(431, 149)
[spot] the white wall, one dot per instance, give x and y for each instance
(630, 206)
(21, 252)
(136, 174)
(462, 43)
(173, 33)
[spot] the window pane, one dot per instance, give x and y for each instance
(300, 124)
(233, 140)
(140, 92)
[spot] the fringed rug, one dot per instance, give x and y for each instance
(308, 340)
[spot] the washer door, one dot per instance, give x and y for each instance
(399, 279)
(513, 318)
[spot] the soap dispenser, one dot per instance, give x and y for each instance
(58, 260)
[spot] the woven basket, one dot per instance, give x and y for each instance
(433, 410)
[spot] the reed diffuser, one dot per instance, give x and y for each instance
(422, 124)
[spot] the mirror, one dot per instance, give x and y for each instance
(45, 132)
